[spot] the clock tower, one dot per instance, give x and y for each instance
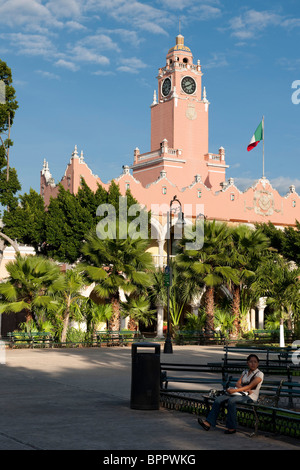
(179, 125)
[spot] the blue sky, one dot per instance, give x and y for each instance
(85, 71)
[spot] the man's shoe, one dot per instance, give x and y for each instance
(204, 426)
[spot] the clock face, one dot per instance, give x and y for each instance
(188, 85)
(166, 87)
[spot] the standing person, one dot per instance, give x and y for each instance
(246, 391)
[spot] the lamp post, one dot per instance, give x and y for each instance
(168, 349)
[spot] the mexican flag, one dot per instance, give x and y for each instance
(257, 136)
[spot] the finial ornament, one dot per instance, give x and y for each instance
(154, 98)
(75, 153)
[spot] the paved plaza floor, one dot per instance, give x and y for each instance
(79, 399)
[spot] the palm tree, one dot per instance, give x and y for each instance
(182, 290)
(68, 298)
(116, 264)
(245, 252)
(32, 282)
(277, 280)
(157, 290)
(139, 310)
(94, 313)
(224, 320)
(210, 265)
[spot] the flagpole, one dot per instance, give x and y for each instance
(263, 129)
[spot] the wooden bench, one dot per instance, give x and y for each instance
(31, 339)
(199, 337)
(117, 337)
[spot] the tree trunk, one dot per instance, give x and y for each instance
(290, 319)
(114, 322)
(66, 318)
(236, 310)
(29, 316)
(209, 308)
(281, 334)
(132, 326)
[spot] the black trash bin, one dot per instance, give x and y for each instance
(145, 376)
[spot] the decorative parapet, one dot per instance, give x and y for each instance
(164, 151)
(180, 65)
(218, 158)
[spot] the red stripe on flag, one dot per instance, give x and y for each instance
(251, 146)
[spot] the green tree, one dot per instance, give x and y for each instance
(31, 285)
(9, 183)
(210, 265)
(66, 224)
(68, 299)
(246, 251)
(286, 241)
(91, 200)
(11, 104)
(26, 222)
(139, 311)
(94, 314)
(115, 264)
(224, 320)
(279, 281)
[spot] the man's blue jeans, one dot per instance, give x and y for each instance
(231, 421)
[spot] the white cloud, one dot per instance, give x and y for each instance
(140, 15)
(131, 65)
(291, 23)
(282, 184)
(49, 75)
(103, 72)
(217, 60)
(67, 65)
(243, 183)
(75, 26)
(100, 42)
(208, 12)
(83, 54)
(31, 44)
(289, 64)
(66, 8)
(126, 35)
(252, 22)
(22, 12)
(177, 4)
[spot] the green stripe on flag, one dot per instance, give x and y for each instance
(259, 133)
